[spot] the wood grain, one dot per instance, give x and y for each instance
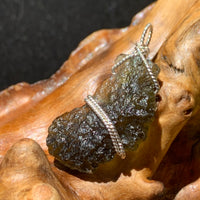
(174, 47)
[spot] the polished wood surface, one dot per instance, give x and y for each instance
(164, 165)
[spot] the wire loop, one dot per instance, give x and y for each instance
(143, 45)
(148, 28)
(141, 49)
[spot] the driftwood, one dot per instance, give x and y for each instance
(165, 166)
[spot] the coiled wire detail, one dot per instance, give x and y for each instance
(116, 140)
(141, 49)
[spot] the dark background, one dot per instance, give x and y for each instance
(37, 36)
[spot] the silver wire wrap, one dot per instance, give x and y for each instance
(141, 44)
(148, 68)
(116, 140)
(141, 49)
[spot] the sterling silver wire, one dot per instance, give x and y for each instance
(142, 45)
(141, 49)
(149, 28)
(116, 140)
(148, 68)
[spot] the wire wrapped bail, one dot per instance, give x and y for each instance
(141, 49)
(148, 28)
(142, 44)
(144, 41)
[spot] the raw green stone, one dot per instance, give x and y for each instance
(79, 139)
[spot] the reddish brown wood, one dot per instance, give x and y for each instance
(22, 96)
(181, 165)
(25, 173)
(127, 179)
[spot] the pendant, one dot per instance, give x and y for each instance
(115, 119)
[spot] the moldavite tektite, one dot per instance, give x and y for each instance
(79, 139)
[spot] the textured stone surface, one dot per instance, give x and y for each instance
(80, 140)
